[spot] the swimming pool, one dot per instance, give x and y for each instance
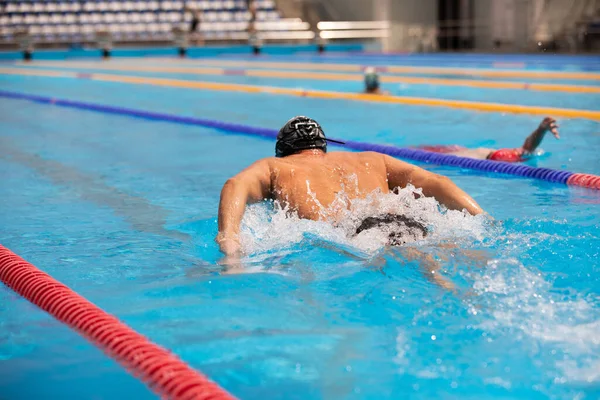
(123, 210)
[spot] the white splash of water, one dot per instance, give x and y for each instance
(273, 227)
(524, 300)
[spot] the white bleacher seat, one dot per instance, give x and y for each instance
(121, 18)
(135, 18)
(56, 19)
(84, 19)
(38, 7)
(75, 7)
(164, 27)
(63, 6)
(70, 19)
(95, 18)
(187, 16)
(48, 29)
(109, 18)
(13, 7)
(224, 16)
(149, 17)
(16, 19)
(102, 6)
(210, 16)
(229, 4)
(89, 6)
(153, 5)
(154, 28)
(115, 6)
(87, 29)
(29, 19)
(73, 29)
(43, 19)
(129, 6)
(178, 5)
(35, 30)
(62, 29)
(174, 16)
(166, 5)
(51, 7)
(4, 20)
(203, 5)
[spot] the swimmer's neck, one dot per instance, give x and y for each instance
(309, 153)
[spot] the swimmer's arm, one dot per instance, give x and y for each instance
(535, 139)
(442, 188)
(249, 186)
(430, 267)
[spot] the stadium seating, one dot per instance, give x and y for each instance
(131, 20)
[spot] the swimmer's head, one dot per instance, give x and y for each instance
(301, 133)
(371, 79)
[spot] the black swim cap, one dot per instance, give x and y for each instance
(300, 133)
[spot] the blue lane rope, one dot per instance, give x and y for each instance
(429, 157)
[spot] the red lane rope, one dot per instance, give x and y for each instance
(162, 371)
(584, 180)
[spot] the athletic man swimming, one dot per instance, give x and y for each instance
(307, 179)
(518, 154)
(372, 85)
(507, 155)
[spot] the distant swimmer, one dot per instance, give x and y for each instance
(307, 180)
(372, 84)
(508, 155)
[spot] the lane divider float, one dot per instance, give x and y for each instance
(521, 170)
(163, 372)
(318, 94)
(328, 76)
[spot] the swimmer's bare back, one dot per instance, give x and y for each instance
(309, 183)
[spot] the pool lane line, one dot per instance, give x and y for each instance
(391, 69)
(278, 74)
(162, 371)
(318, 94)
(545, 174)
(137, 211)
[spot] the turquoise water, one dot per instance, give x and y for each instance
(123, 211)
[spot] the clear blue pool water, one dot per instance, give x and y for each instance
(123, 211)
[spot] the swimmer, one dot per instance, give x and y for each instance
(507, 155)
(304, 177)
(372, 85)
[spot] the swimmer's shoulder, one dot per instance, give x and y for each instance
(364, 157)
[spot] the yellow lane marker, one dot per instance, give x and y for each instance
(229, 87)
(21, 71)
(490, 73)
(331, 77)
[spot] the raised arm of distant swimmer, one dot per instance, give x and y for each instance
(442, 188)
(249, 186)
(536, 137)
